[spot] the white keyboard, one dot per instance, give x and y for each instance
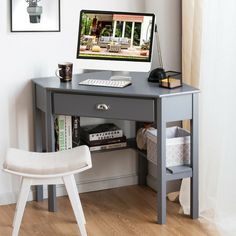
(106, 83)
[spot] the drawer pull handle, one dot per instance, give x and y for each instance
(102, 107)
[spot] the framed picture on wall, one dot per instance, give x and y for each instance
(35, 16)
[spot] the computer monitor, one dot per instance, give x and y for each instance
(115, 41)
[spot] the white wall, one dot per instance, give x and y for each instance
(27, 55)
(168, 19)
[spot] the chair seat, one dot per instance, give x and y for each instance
(48, 168)
(50, 163)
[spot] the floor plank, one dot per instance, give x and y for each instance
(121, 211)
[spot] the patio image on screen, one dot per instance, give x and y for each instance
(115, 36)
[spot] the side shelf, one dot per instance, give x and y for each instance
(181, 172)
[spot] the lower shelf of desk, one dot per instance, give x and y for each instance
(131, 143)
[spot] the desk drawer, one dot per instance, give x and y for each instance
(104, 107)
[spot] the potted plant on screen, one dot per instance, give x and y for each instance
(83, 45)
(145, 48)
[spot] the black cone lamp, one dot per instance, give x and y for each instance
(159, 73)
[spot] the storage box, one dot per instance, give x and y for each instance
(177, 146)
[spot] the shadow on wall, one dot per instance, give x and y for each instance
(21, 118)
(18, 134)
(21, 133)
(8, 15)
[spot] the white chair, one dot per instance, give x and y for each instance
(48, 168)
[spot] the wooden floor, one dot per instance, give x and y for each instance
(121, 211)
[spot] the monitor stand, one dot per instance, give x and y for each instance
(121, 76)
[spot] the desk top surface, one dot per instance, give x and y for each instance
(139, 88)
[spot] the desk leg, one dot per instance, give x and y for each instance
(194, 159)
(52, 200)
(161, 162)
(142, 170)
(37, 116)
(50, 147)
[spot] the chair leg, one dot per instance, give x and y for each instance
(78, 200)
(21, 178)
(22, 199)
(75, 202)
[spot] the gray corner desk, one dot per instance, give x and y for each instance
(142, 101)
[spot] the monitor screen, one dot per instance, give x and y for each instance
(118, 36)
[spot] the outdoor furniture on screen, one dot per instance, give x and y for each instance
(105, 40)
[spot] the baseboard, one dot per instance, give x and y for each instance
(96, 185)
(83, 186)
(8, 198)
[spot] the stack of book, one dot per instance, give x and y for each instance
(103, 137)
(67, 134)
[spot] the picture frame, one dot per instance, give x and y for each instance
(35, 16)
